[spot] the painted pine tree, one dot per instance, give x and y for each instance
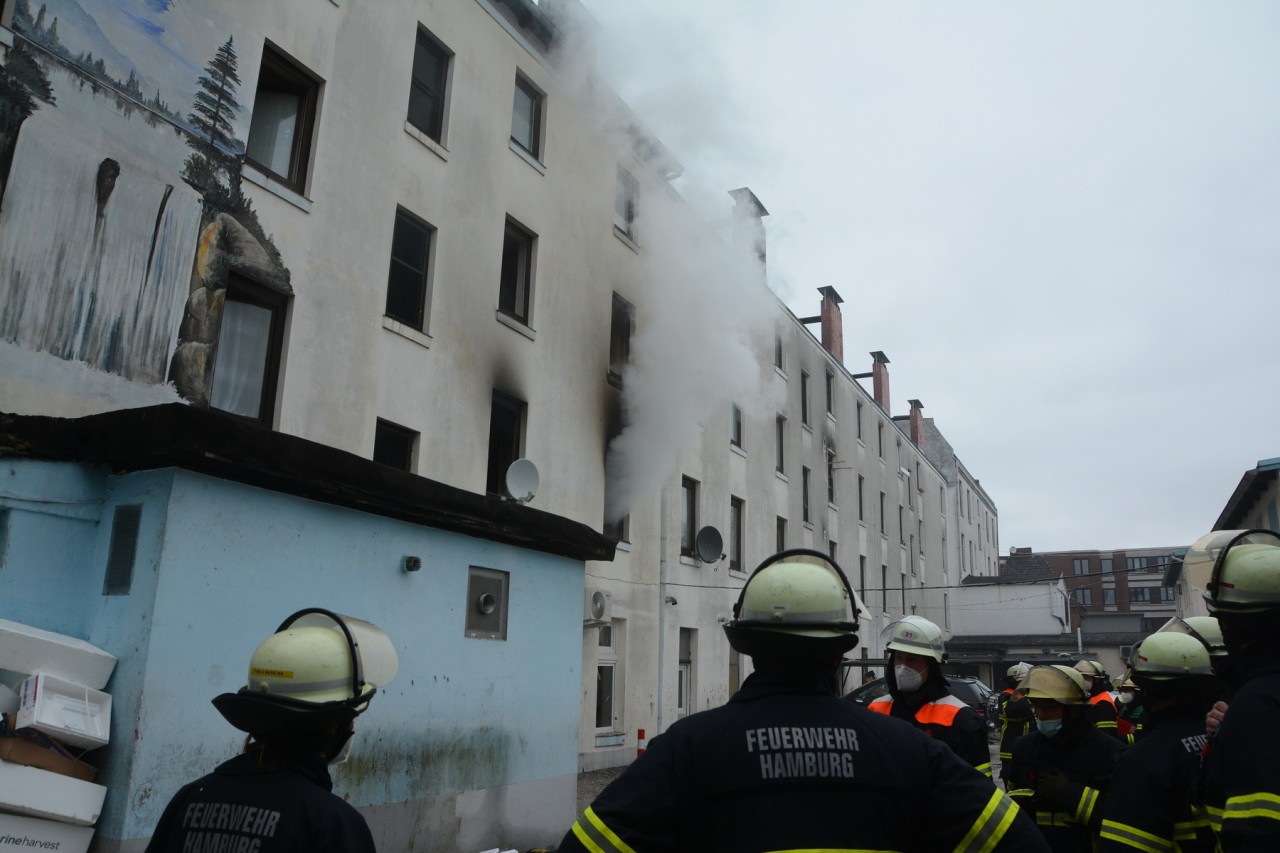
(214, 166)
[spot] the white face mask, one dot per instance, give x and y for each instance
(1126, 696)
(908, 679)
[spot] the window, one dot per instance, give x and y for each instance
(880, 439)
(605, 694)
(1108, 597)
(1084, 596)
(284, 109)
(1104, 564)
(247, 360)
(393, 445)
(735, 426)
(780, 540)
(804, 398)
(684, 677)
(831, 549)
(831, 393)
(526, 118)
(517, 272)
(619, 529)
(427, 91)
(902, 530)
(862, 509)
(777, 352)
(884, 588)
(407, 281)
(736, 509)
(688, 516)
(1136, 564)
(1166, 593)
(506, 438)
(625, 199)
(862, 579)
(884, 529)
(804, 495)
(1139, 595)
(831, 476)
(859, 419)
(621, 325)
(1080, 566)
(781, 444)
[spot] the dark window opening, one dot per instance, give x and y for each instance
(393, 445)
(621, 327)
(526, 118)
(517, 272)
(407, 286)
(506, 432)
(427, 90)
(688, 516)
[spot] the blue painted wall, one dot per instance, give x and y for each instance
(220, 565)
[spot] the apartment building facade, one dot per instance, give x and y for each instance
(296, 284)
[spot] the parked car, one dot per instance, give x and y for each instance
(966, 688)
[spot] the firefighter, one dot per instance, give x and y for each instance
(307, 684)
(1102, 708)
(1149, 804)
(1130, 710)
(787, 764)
(1061, 771)
(1206, 630)
(1016, 716)
(1241, 785)
(918, 691)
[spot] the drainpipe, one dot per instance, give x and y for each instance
(662, 606)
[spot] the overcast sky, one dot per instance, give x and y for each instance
(1059, 220)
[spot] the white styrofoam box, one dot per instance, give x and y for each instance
(32, 833)
(8, 700)
(27, 649)
(43, 793)
(69, 712)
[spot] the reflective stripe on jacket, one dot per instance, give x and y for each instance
(949, 720)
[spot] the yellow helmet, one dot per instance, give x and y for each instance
(914, 635)
(318, 669)
(1090, 669)
(1062, 684)
(1167, 655)
(1245, 574)
(797, 602)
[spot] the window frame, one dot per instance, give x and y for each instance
(780, 445)
(735, 426)
(242, 289)
(626, 201)
(1080, 566)
(385, 430)
(495, 480)
(737, 518)
(805, 515)
(420, 88)
(518, 290)
(418, 318)
(289, 76)
(537, 109)
(804, 398)
(622, 326)
(688, 517)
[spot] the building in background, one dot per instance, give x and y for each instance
(286, 292)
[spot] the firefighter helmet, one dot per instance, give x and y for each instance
(1167, 655)
(316, 671)
(1062, 684)
(1019, 670)
(1203, 628)
(797, 602)
(1245, 573)
(1090, 669)
(914, 635)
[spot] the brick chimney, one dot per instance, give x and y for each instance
(880, 379)
(832, 323)
(917, 422)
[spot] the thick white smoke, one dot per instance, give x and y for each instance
(704, 319)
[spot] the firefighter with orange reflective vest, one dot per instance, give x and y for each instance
(918, 691)
(1149, 804)
(1016, 716)
(1061, 771)
(787, 764)
(1102, 708)
(1240, 779)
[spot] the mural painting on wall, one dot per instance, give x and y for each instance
(121, 215)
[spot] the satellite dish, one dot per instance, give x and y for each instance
(709, 544)
(522, 480)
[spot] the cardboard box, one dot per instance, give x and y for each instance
(72, 713)
(40, 793)
(26, 649)
(31, 748)
(30, 833)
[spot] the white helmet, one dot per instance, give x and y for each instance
(1167, 655)
(1245, 569)
(1019, 670)
(318, 669)
(1204, 628)
(796, 603)
(914, 635)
